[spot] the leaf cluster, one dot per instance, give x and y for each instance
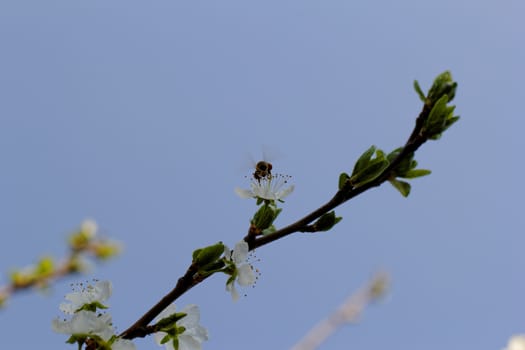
(441, 115)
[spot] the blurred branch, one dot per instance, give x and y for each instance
(348, 312)
(82, 243)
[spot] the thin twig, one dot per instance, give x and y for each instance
(348, 312)
(188, 281)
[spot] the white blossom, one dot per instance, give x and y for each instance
(85, 322)
(271, 188)
(88, 322)
(244, 274)
(193, 335)
(99, 292)
(89, 227)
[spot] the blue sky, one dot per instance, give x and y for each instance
(141, 116)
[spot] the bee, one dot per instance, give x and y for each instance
(263, 170)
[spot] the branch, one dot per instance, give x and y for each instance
(343, 195)
(348, 312)
(83, 242)
(434, 118)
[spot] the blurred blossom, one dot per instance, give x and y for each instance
(89, 227)
(517, 342)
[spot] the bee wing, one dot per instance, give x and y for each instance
(270, 154)
(247, 163)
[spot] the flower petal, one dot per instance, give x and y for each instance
(168, 311)
(285, 192)
(99, 292)
(187, 342)
(246, 276)
(192, 316)
(240, 252)
(244, 193)
(230, 287)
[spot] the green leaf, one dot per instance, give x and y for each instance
(166, 339)
(407, 162)
(438, 115)
(393, 155)
(420, 93)
(269, 230)
(207, 255)
(195, 254)
(176, 343)
(450, 120)
(439, 119)
(211, 268)
(265, 216)
(402, 186)
(44, 268)
(92, 306)
(343, 179)
(364, 160)
(411, 174)
(443, 85)
(76, 339)
(167, 324)
(326, 222)
(370, 173)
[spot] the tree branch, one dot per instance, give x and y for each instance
(434, 118)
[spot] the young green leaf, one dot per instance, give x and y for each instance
(443, 85)
(265, 216)
(438, 115)
(343, 179)
(208, 255)
(370, 173)
(419, 91)
(393, 155)
(450, 120)
(407, 162)
(411, 174)
(364, 160)
(402, 186)
(326, 222)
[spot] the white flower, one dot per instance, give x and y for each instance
(89, 323)
(89, 227)
(517, 342)
(85, 322)
(193, 335)
(271, 188)
(243, 274)
(100, 292)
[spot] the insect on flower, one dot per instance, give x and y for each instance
(266, 186)
(263, 170)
